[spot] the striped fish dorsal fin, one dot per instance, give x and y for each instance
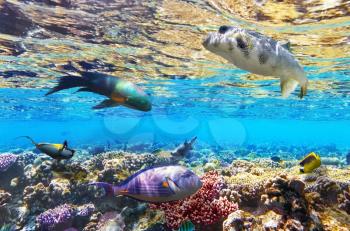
(308, 159)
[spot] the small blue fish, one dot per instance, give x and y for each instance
(187, 226)
(159, 184)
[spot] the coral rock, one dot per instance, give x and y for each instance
(6, 161)
(345, 202)
(327, 188)
(236, 221)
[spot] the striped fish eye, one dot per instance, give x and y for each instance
(187, 174)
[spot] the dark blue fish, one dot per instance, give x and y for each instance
(159, 184)
(184, 148)
(276, 159)
(55, 151)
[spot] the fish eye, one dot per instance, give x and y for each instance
(223, 29)
(187, 174)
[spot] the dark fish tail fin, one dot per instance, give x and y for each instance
(66, 82)
(109, 190)
(29, 138)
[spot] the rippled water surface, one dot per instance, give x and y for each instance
(157, 44)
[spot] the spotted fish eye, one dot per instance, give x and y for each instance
(223, 29)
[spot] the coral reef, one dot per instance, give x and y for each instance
(286, 197)
(63, 216)
(37, 192)
(344, 202)
(203, 208)
(237, 221)
(6, 161)
(58, 218)
(5, 197)
(327, 188)
(111, 221)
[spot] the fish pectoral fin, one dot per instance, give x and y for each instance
(172, 185)
(288, 85)
(84, 89)
(303, 91)
(285, 44)
(106, 103)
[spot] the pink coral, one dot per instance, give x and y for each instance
(204, 208)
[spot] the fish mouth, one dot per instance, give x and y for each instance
(213, 40)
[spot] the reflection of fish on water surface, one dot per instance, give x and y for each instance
(158, 184)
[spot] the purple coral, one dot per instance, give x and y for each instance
(57, 218)
(64, 216)
(6, 161)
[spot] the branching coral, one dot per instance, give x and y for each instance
(204, 208)
(63, 216)
(6, 161)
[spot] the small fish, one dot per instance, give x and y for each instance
(276, 159)
(184, 148)
(187, 226)
(158, 184)
(55, 151)
(348, 158)
(310, 162)
(118, 91)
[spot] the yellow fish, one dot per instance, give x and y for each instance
(310, 162)
(55, 151)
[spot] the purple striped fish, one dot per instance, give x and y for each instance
(159, 184)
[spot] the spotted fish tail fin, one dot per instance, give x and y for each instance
(109, 189)
(288, 85)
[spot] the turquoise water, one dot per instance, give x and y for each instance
(240, 119)
(158, 46)
(223, 116)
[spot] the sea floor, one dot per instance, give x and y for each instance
(38, 193)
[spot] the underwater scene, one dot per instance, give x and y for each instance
(160, 115)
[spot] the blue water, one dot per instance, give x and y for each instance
(221, 116)
(218, 103)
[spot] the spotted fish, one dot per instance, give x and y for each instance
(158, 184)
(259, 54)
